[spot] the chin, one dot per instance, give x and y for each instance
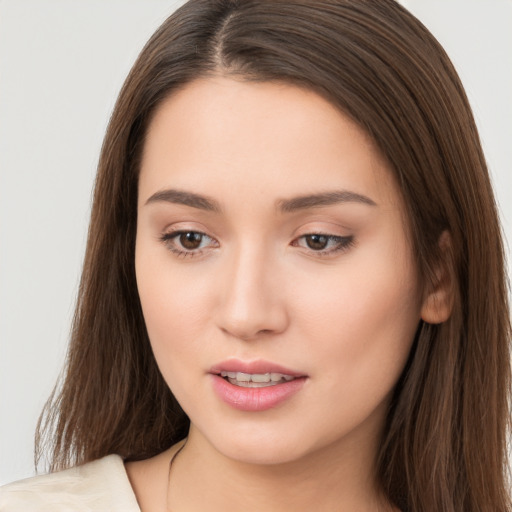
(261, 447)
(262, 455)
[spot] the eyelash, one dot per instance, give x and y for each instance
(342, 243)
(168, 240)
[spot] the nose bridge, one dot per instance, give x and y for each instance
(251, 303)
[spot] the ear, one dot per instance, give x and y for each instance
(438, 301)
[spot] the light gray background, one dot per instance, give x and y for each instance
(62, 63)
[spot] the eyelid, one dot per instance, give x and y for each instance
(322, 225)
(344, 243)
(170, 239)
(169, 236)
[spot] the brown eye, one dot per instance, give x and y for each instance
(188, 243)
(190, 240)
(317, 242)
(324, 245)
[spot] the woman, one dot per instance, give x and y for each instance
(293, 294)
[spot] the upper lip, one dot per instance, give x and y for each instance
(259, 366)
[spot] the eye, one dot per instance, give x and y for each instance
(324, 244)
(187, 243)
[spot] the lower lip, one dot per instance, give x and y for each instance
(255, 399)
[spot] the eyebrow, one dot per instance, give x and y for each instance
(284, 205)
(185, 198)
(323, 199)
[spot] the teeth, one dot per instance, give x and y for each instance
(251, 384)
(255, 379)
(258, 377)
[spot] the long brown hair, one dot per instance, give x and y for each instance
(444, 446)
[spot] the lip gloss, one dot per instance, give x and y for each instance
(255, 399)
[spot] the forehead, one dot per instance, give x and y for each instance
(226, 135)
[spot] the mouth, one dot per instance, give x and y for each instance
(255, 386)
(255, 380)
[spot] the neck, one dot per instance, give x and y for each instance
(337, 477)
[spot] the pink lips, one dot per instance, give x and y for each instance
(254, 399)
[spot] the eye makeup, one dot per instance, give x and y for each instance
(190, 243)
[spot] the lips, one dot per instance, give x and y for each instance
(253, 367)
(255, 386)
(255, 380)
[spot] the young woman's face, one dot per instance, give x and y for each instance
(274, 269)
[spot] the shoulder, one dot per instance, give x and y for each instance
(100, 485)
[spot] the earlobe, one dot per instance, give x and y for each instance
(438, 302)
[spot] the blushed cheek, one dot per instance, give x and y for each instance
(368, 318)
(168, 313)
(174, 309)
(171, 335)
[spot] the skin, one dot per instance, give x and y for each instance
(254, 289)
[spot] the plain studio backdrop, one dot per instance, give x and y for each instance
(62, 63)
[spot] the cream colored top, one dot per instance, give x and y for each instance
(99, 486)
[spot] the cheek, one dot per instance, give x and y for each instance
(363, 316)
(173, 304)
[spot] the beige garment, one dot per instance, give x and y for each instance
(99, 486)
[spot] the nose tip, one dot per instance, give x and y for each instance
(248, 318)
(252, 303)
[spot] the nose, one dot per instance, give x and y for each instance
(252, 299)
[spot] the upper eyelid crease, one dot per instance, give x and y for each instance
(284, 205)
